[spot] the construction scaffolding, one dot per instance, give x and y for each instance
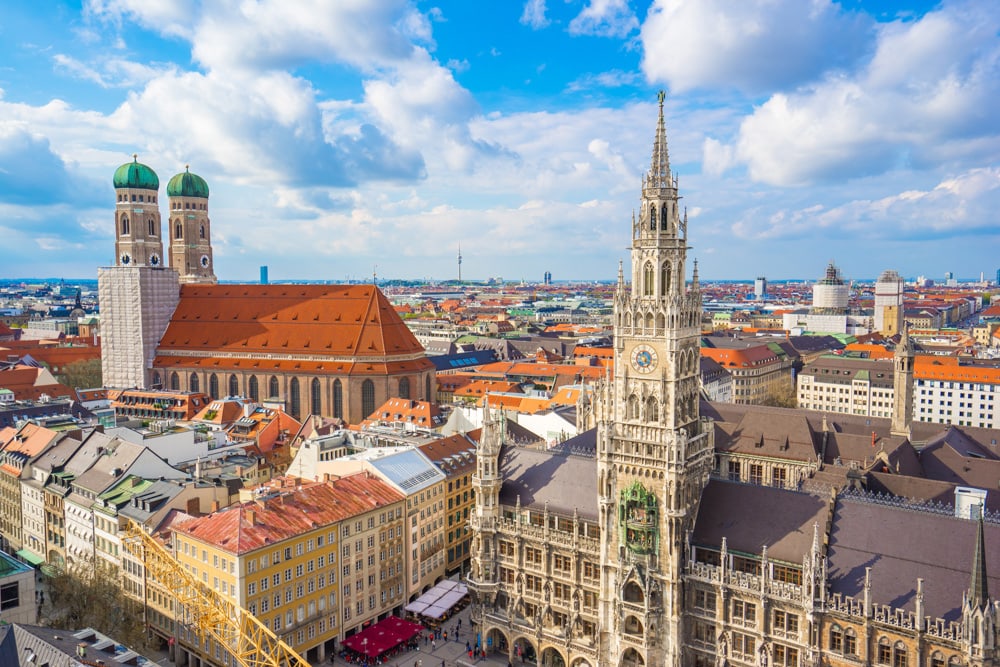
(207, 613)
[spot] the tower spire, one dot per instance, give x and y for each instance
(659, 170)
(979, 593)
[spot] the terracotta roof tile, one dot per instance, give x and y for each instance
(290, 512)
(339, 322)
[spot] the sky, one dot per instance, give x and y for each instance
(343, 139)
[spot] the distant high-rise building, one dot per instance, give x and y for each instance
(459, 262)
(998, 276)
(263, 275)
(547, 278)
(760, 288)
(889, 303)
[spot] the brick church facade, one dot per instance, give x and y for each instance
(331, 350)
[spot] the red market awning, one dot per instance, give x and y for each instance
(387, 634)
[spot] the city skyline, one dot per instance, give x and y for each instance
(518, 131)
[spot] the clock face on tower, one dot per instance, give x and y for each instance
(204, 261)
(126, 259)
(643, 358)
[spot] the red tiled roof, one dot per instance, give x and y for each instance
(290, 512)
(29, 382)
(342, 325)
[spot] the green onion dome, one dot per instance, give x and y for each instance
(186, 184)
(134, 174)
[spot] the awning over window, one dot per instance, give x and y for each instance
(24, 554)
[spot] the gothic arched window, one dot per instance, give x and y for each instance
(427, 388)
(315, 396)
(124, 225)
(234, 385)
(836, 639)
(338, 399)
(294, 406)
(404, 387)
(156, 379)
(213, 386)
(367, 398)
(652, 217)
(900, 657)
(152, 227)
(253, 388)
(272, 387)
(201, 231)
(178, 229)
(663, 218)
(193, 385)
(652, 413)
(665, 278)
(647, 279)
(632, 407)
(175, 381)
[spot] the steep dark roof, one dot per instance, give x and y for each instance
(751, 516)
(900, 545)
(566, 482)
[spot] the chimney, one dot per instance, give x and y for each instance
(252, 516)
(215, 506)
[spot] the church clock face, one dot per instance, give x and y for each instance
(643, 358)
(126, 259)
(204, 261)
(154, 259)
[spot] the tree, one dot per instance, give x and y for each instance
(88, 594)
(83, 374)
(782, 396)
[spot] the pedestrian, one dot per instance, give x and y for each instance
(446, 635)
(459, 624)
(468, 647)
(433, 644)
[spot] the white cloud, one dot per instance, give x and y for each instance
(110, 72)
(957, 206)
(604, 18)
(610, 79)
(751, 45)
(924, 99)
(534, 14)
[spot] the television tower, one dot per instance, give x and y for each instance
(459, 262)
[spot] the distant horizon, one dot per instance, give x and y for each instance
(486, 281)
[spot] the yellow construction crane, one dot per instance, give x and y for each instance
(208, 613)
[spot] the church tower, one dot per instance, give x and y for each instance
(654, 452)
(190, 228)
(902, 385)
(139, 293)
(137, 216)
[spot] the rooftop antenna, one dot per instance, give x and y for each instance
(459, 262)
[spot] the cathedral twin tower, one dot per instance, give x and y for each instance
(140, 292)
(138, 237)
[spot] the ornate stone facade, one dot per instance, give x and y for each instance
(627, 546)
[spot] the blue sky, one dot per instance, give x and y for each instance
(342, 138)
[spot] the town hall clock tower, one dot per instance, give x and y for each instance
(654, 452)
